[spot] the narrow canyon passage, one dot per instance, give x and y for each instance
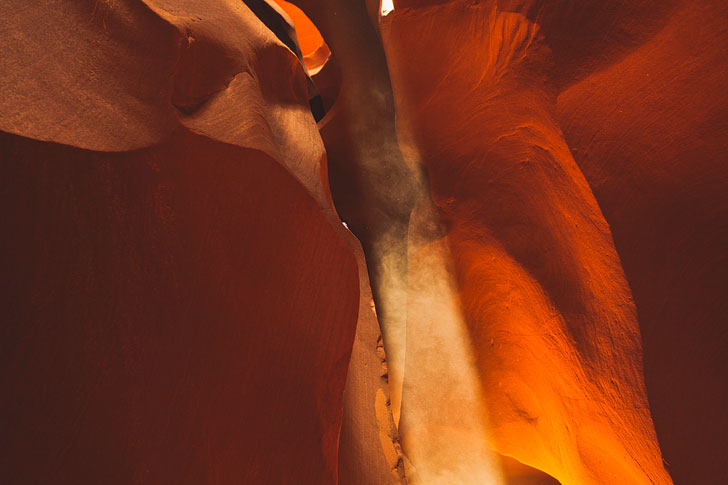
(375, 186)
(460, 343)
(376, 177)
(363, 242)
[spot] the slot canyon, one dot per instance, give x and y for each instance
(364, 242)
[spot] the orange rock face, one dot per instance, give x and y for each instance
(308, 34)
(547, 306)
(539, 132)
(179, 300)
(656, 163)
(538, 188)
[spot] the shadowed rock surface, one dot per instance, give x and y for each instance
(538, 187)
(179, 300)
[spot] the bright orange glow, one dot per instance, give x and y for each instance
(475, 242)
(545, 305)
(309, 38)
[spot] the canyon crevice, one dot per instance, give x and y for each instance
(363, 242)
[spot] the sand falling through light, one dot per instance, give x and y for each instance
(443, 422)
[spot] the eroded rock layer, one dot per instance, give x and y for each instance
(179, 300)
(181, 303)
(541, 125)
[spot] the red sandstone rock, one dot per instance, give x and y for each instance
(179, 299)
(369, 451)
(508, 104)
(656, 161)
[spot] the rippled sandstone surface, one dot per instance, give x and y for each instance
(539, 193)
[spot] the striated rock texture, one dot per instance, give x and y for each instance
(179, 299)
(538, 188)
(657, 164)
(576, 156)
